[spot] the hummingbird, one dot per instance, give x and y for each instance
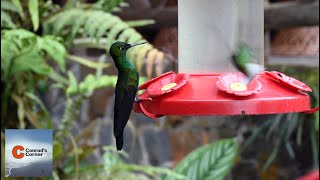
(126, 88)
(241, 59)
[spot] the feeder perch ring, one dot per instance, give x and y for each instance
(167, 84)
(233, 83)
(288, 81)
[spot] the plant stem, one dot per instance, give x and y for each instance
(314, 145)
(91, 43)
(7, 88)
(69, 116)
(76, 155)
(87, 62)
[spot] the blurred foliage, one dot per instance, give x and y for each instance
(8, 8)
(33, 6)
(114, 167)
(213, 161)
(24, 66)
(36, 38)
(285, 129)
(100, 29)
(109, 6)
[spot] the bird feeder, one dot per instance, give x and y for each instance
(207, 83)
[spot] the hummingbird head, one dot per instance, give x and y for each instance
(118, 49)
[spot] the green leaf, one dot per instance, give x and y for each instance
(142, 80)
(57, 149)
(148, 170)
(37, 100)
(290, 150)
(73, 85)
(107, 6)
(30, 61)
(80, 21)
(17, 3)
(63, 20)
(57, 86)
(139, 23)
(17, 33)
(300, 133)
(113, 164)
(93, 22)
(9, 6)
(21, 111)
(212, 161)
(274, 125)
(91, 83)
(102, 29)
(33, 6)
(273, 155)
(110, 158)
(58, 78)
(55, 49)
(8, 51)
(88, 63)
(71, 4)
(292, 125)
(6, 20)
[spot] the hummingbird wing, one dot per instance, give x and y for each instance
(122, 110)
(252, 70)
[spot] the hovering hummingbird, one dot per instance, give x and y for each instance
(241, 60)
(126, 88)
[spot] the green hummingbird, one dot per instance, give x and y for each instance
(241, 59)
(126, 88)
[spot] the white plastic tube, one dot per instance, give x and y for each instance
(211, 30)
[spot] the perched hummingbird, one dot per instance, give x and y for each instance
(126, 88)
(241, 60)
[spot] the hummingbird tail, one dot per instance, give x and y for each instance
(119, 142)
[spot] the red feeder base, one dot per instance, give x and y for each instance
(200, 96)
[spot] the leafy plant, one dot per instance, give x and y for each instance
(212, 161)
(99, 29)
(108, 6)
(279, 129)
(30, 59)
(23, 66)
(285, 129)
(33, 6)
(77, 93)
(114, 167)
(8, 8)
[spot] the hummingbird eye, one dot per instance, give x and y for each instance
(121, 48)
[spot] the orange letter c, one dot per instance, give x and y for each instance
(15, 152)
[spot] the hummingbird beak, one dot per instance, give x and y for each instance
(137, 44)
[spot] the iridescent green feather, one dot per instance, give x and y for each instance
(243, 56)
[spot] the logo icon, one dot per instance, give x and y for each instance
(28, 153)
(15, 152)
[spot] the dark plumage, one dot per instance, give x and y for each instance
(126, 89)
